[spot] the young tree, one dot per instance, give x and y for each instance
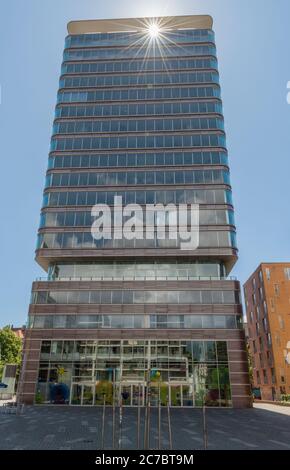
(10, 348)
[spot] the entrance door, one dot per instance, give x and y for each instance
(175, 395)
(159, 394)
(137, 395)
(76, 394)
(181, 395)
(82, 394)
(88, 395)
(133, 394)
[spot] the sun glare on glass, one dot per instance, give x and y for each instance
(153, 30)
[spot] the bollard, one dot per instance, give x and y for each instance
(138, 418)
(113, 418)
(169, 426)
(159, 418)
(204, 427)
(103, 422)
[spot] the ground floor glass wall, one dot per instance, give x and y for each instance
(181, 373)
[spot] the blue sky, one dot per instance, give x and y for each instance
(253, 48)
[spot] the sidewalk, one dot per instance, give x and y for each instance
(285, 410)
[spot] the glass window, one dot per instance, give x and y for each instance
(106, 297)
(222, 351)
(198, 351)
(210, 351)
(45, 347)
(59, 321)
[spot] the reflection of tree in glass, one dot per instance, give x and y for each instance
(104, 387)
(218, 381)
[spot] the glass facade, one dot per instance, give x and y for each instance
(139, 159)
(139, 109)
(132, 320)
(89, 198)
(145, 124)
(183, 373)
(83, 240)
(82, 219)
(165, 64)
(138, 270)
(121, 178)
(135, 297)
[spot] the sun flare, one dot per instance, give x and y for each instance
(153, 30)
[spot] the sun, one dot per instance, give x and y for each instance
(153, 30)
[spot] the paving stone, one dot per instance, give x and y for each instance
(68, 428)
(49, 438)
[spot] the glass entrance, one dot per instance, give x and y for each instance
(82, 394)
(175, 395)
(137, 395)
(159, 394)
(133, 394)
(181, 395)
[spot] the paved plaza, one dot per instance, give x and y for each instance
(57, 427)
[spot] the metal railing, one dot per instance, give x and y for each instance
(9, 408)
(136, 278)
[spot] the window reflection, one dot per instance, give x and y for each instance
(136, 297)
(153, 321)
(138, 178)
(89, 198)
(82, 239)
(149, 65)
(190, 373)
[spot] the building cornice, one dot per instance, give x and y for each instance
(139, 24)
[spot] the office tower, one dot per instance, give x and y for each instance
(267, 294)
(138, 116)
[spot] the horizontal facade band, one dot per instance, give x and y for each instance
(49, 209)
(73, 75)
(199, 167)
(183, 285)
(167, 309)
(87, 61)
(174, 335)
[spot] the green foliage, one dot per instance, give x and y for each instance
(250, 364)
(104, 387)
(38, 397)
(285, 397)
(10, 348)
(164, 394)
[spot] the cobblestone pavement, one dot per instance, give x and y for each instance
(64, 428)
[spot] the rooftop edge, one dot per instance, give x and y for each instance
(139, 24)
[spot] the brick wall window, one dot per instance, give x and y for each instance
(287, 273)
(273, 378)
(281, 322)
(265, 324)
